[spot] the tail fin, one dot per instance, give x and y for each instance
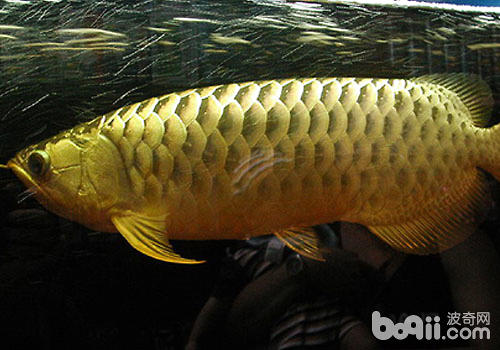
(491, 150)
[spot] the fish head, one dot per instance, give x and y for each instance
(74, 175)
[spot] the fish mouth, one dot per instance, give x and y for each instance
(26, 178)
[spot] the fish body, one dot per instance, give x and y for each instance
(241, 160)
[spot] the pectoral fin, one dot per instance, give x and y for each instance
(302, 240)
(148, 235)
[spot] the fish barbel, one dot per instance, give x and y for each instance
(403, 157)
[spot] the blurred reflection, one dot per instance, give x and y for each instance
(270, 298)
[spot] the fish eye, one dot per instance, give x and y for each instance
(38, 162)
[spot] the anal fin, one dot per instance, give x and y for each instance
(448, 220)
(148, 235)
(303, 240)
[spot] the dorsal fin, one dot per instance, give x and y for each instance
(472, 91)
